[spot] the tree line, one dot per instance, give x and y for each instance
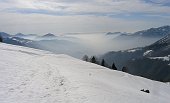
(95, 60)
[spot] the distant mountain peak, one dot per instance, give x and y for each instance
(112, 33)
(19, 34)
(4, 35)
(166, 26)
(116, 33)
(49, 35)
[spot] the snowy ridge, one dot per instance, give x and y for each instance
(34, 76)
(148, 52)
(132, 50)
(166, 58)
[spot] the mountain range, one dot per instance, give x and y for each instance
(152, 32)
(152, 61)
(50, 42)
(138, 39)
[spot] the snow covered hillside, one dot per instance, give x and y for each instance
(34, 76)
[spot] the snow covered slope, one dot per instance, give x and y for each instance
(33, 76)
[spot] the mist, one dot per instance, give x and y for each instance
(100, 43)
(79, 44)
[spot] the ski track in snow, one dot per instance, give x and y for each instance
(34, 76)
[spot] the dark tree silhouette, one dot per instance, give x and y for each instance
(1, 39)
(113, 66)
(103, 62)
(93, 59)
(85, 58)
(125, 69)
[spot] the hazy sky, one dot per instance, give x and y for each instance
(64, 16)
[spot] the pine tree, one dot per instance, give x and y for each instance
(1, 39)
(103, 62)
(85, 58)
(113, 66)
(124, 69)
(93, 59)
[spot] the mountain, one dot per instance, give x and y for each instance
(158, 32)
(81, 44)
(120, 58)
(26, 36)
(17, 41)
(35, 37)
(161, 47)
(124, 41)
(19, 35)
(116, 33)
(36, 76)
(4, 35)
(156, 58)
(49, 42)
(152, 61)
(113, 35)
(154, 32)
(48, 35)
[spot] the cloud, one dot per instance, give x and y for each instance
(91, 7)
(42, 16)
(160, 2)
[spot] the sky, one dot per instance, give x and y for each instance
(79, 16)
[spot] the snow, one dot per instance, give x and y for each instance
(165, 58)
(147, 52)
(131, 50)
(34, 76)
(21, 41)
